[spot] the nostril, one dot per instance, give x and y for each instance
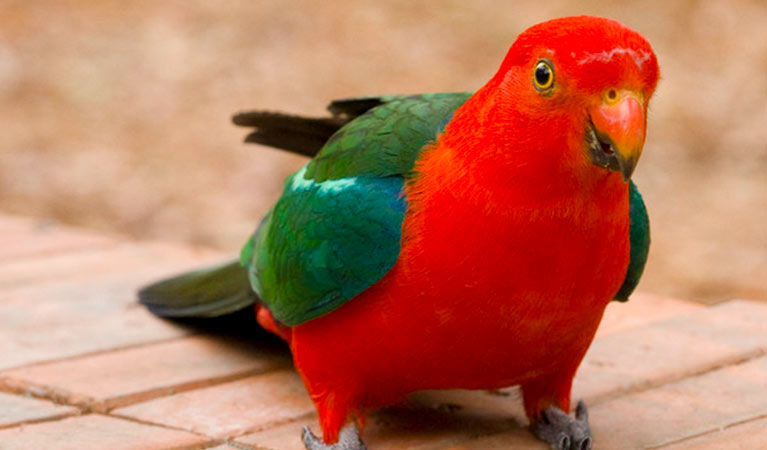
(585, 444)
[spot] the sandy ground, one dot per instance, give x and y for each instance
(115, 115)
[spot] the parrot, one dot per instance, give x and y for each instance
(450, 240)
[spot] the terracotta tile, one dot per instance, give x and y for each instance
(683, 409)
(672, 349)
(227, 446)
(642, 309)
(25, 238)
(16, 409)
(94, 263)
(65, 305)
(518, 438)
(10, 223)
(745, 436)
(131, 327)
(669, 413)
(229, 409)
(36, 295)
(96, 431)
(285, 436)
(118, 378)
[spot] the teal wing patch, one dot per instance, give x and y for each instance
(336, 229)
(326, 242)
(639, 234)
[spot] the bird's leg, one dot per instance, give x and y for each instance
(562, 431)
(547, 400)
(348, 439)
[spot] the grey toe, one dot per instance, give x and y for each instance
(563, 432)
(348, 439)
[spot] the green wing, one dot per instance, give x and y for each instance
(336, 229)
(639, 234)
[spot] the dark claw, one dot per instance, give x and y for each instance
(563, 432)
(581, 412)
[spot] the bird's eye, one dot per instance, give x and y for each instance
(543, 77)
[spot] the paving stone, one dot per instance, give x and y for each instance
(94, 263)
(745, 436)
(518, 438)
(229, 409)
(96, 432)
(642, 309)
(22, 238)
(15, 410)
(683, 409)
(118, 378)
(9, 223)
(286, 436)
(130, 327)
(672, 349)
(669, 413)
(66, 305)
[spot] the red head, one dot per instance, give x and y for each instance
(574, 93)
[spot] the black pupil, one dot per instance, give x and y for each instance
(542, 74)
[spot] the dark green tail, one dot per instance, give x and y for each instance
(209, 292)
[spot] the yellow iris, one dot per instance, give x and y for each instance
(543, 76)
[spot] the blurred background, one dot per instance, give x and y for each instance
(115, 115)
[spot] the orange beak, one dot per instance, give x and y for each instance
(619, 126)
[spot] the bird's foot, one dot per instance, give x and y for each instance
(563, 432)
(348, 439)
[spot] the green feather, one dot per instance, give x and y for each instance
(209, 292)
(326, 242)
(639, 234)
(387, 139)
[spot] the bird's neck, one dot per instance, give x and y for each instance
(493, 153)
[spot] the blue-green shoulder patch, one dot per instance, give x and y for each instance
(325, 242)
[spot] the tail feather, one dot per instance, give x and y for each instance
(209, 292)
(302, 135)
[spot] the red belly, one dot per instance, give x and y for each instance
(470, 307)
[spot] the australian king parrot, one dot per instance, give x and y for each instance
(451, 240)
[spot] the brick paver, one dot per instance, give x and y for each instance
(229, 409)
(22, 238)
(642, 309)
(94, 265)
(108, 380)
(750, 435)
(683, 409)
(15, 410)
(132, 327)
(65, 304)
(95, 431)
(672, 349)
